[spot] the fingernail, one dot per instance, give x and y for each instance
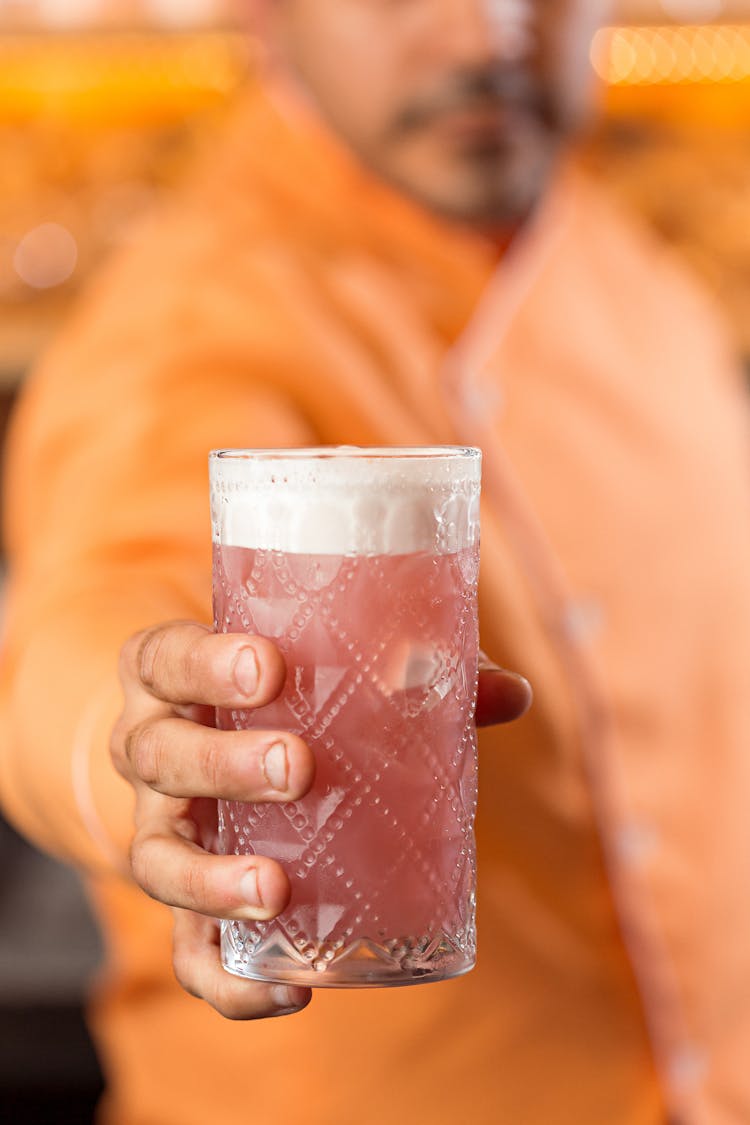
(523, 684)
(487, 665)
(276, 766)
(249, 888)
(521, 680)
(246, 671)
(287, 1000)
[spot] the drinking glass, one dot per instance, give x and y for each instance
(361, 565)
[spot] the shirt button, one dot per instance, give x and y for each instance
(583, 619)
(636, 843)
(687, 1068)
(483, 400)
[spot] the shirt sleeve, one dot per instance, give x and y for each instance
(107, 526)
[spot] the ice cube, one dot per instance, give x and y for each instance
(409, 664)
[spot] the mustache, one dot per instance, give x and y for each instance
(494, 87)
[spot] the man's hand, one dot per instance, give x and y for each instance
(165, 745)
(173, 677)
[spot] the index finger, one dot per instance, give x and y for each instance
(184, 662)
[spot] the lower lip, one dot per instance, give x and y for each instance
(476, 126)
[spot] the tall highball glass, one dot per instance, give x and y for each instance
(361, 565)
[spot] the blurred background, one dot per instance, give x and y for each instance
(102, 103)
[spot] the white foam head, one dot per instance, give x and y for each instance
(346, 500)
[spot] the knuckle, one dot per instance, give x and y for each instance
(193, 660)
(150, 643)
(193, 884)
(213, 763)
(128, 658)
(142, 865)
(145, 751)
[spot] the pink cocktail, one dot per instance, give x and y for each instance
(381, 650)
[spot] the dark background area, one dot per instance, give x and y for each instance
(49, 948)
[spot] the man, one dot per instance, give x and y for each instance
(388, 250)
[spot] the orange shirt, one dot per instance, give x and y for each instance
(288, 298)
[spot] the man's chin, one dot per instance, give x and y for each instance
(493, 201)
(483, 181)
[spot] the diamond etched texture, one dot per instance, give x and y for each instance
(381, 657)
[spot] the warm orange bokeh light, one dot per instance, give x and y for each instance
(645, 56)
(98, 76)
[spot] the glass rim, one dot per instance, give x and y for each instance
(352, 452)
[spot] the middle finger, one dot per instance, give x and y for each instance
(183, 759)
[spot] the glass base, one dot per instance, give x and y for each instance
(361, 964)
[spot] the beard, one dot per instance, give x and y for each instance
(480, 147)
(499, 87)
